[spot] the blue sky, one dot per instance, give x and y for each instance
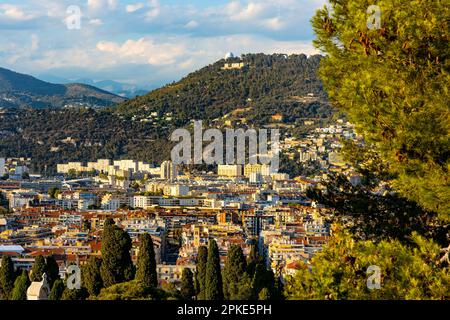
(146, 42)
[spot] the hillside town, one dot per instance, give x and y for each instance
(239, 205)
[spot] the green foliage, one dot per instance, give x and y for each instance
(253, 259)
(74, 294)
(91, 276)
(187, 285)
(371, 214)
(233, 271)
(393, 82)
(132, 290)
(200, 273)
(39, 268)
(213, 279)
(116, 264)
(339, 271)
(57, 290)
(21, 286)
(53, 192)
(264, 294)
(52, 270)
(170, 291)
(244, 288)
(146, 265)
(6, 278)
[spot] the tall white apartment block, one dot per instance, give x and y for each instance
(168, 170)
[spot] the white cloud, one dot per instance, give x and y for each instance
(168, 40)
(274, 23)
(96, 22)
(191, 24)
(155, 9)
(14, 13)
(185, 51)
(134, 7)
(144, 50)
(238, 12)
(95, 5)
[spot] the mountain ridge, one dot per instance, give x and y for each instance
(19, 90)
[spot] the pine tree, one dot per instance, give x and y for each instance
(233, 271)
(116, 264)
(213, 279)
(52, 270)
(21, 286)
(91, 277)
(340, 271)
(392, 82)
(39, 268)
(200, 274)
(6, 278)
(187, 284)
(146, 265)
(57, 290)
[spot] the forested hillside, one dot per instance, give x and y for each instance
(57, 136)
(267, 85)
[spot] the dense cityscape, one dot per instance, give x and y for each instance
(143, 162)
(243, 205)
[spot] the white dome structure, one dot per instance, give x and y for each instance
(229, 55)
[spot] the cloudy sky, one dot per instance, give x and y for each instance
(146, 42)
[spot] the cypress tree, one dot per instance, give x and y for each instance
(57, 290)
(6, 278)
(213, 279)
(146, 265)
(244, 288)
(52, 270)
(21, 286)
(235, 268)
(259, 279)
(116, 264)
(91, 277)
(187, 285)
(202, 259)
(253, 259)
(39, 268)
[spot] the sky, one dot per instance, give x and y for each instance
(146, 42)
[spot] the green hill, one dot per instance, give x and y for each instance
(267, 85)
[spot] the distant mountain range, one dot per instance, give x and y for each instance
(19, 90)
(121, 89)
